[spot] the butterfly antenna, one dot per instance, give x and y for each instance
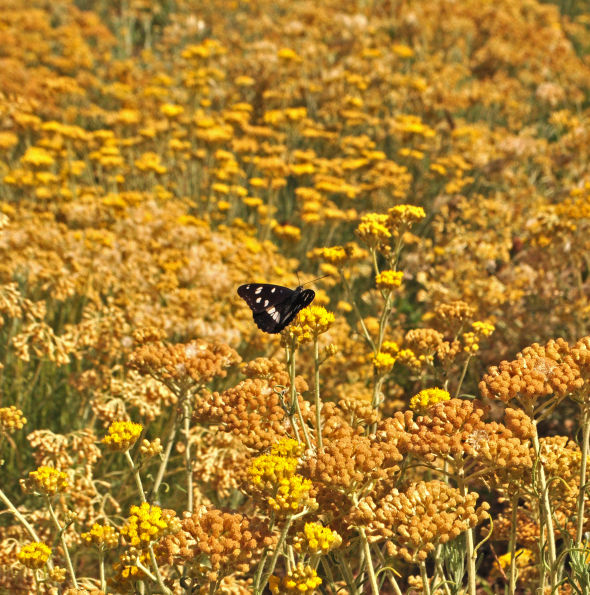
(316, 279)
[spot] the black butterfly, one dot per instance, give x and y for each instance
(274, 306)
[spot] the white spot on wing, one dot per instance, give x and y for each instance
(276, 316)
(258, 300)
(273, 289)
(265, 303)
(258, 290)
(247, 287)
(271, 310)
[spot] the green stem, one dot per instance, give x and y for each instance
(276, 553)
(159, 579)
(103, 582)
(136, 476)
(316, 390)
(358, 313)
(293, 395)
(64, 545)
(469, 545)
(545, 503)
(512, 544)
(425, 581)
(583, 465)
(187, 455)
(173, 427)
(346, 573)
(369, 561)
(463, 375)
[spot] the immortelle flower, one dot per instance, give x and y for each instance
(11, 419)
(428, 396)
(402, 216)
(316, 539)
(389, 280)
(147, 523)
(34, 555)
(383, 362)
(302, 579)
(311, 323)
(102, 536)
(122, 435)
(372, 229)
(48, 480)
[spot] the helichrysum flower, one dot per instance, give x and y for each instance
(292, 495)
(388, 280)
(383, 362)
(150, 448)
(316, 539)
(34, 555)
(404, 215)
(122, 435)
(11, 419)
(49, 480)
(288, 447)
(302, 579)
(429, 396)
(147, 523)
(373, 229)
(270, 469)
(38, 157)
(482, 328)
(311, 322)
(103, 536)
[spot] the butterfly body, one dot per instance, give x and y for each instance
(274, 306)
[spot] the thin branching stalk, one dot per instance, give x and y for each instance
(64, 545)
(583, 466)
(136, 476)
(546, 510)
(425, 580)
(18, 515)
(103, 582)
(463, 372)
(172, 429)
(369, 561)
(187, 455)
(347, 573)
(469, 543)
(275, 556)
(294, 401)
(159, 579)
(316, 393)
(512, 544)
(357, 312)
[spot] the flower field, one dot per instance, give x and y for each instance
(423, 426)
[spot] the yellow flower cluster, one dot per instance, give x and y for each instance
(147, 523)
(311, 323)
(122, 435)
(483, 328)
(429, 396)
(268, 470)
(389, 280)
(383, 362)
(288, 447)
(49, 480)
(292, 495)
(373, 230)
(316, 539)
(34, 555)
(302, 579)
(405, 215)
(102, 536)
(11, 419)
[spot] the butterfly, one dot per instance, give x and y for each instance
(273, 306)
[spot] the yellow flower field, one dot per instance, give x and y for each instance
(423, 426)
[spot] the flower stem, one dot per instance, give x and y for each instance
(316, 390)
(64, 545)
(425, 581)
(293, 394)
(173, 427)
(583, 466)
(275, 555)
(187, 455)
(512, 544)
(136, 476)
(369, 561)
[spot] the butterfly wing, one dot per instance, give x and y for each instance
(260, 296)
(274, 306)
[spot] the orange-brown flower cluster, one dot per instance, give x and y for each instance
(416, 519)
(193, 363)
(554, 369)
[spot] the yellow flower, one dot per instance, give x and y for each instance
(122, 435)
(373, 229)
(404, 215)
(523, 557)
(335, 255)
(427, 397)
(268, 470)
(484, 329)
(288, 54)
(383, 362)
(38, 157)
(288, 447)
(287, 232)
(316, 539)
(302, 579)
(403, 51)
(8, 140)
(103, 536)
(34, 555)
(388, 280)
(292, 495)
(49, 480)
(311, 322)
(171, 111)
(150, 162)
(147, 523)
(470, 342)
(11, 419)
